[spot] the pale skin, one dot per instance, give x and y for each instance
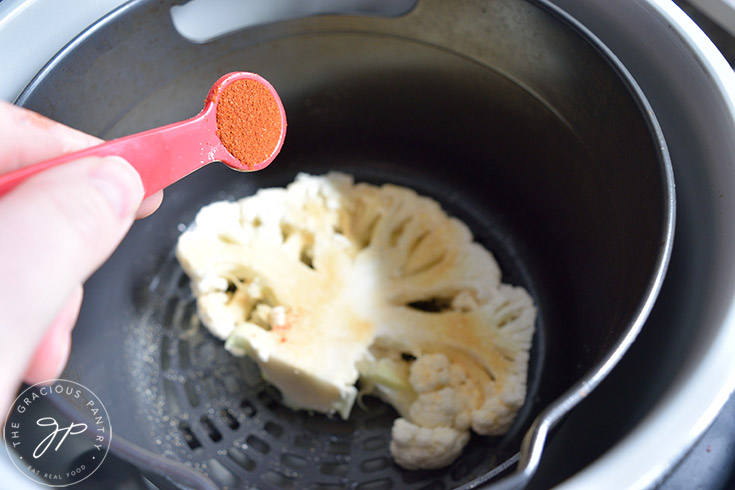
(56, 229)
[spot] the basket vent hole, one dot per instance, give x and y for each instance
(191, 393)
(327, 486)
(374, 443)
(165, 358)
(183, 281)
(241, 459)
(194, 322)
(279, 480)
(374, 464)
(304, 442)
(334, 469)
(168, 315)
(184, 357)
(189, 319)
(338, 447)
(381, 484)
(411, 477)
(229, 418)
(172, 399)
(273, 429)
(214, 434)
(191, 440)
(209, 386)
(435, 485)
(294, 461)
(221, 474)
(258, 444)
(231, 385)
(247, 408)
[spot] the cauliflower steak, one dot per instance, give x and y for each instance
(326, 281)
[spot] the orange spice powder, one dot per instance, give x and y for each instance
(248, 121)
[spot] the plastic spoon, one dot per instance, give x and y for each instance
(167, 154)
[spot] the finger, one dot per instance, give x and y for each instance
(53, 351)
(149, 205)
(27, 137)
(58, 227)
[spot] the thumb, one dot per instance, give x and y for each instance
(56, 229)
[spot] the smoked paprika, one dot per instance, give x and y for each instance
(248, 121)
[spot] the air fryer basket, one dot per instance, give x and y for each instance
(506, 112)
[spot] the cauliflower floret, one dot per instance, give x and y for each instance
(449, 401)
(430, 372)
(445, 398)
(441, 408)
(415, 447)
(326, 281)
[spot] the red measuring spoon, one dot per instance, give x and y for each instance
(167, 154)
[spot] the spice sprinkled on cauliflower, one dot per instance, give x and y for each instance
(326, 281)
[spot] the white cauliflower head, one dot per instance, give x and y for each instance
(415, 447)
(325, 281)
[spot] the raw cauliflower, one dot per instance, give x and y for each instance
(416, 447)
(326, 281)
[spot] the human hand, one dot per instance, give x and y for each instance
(56, 229)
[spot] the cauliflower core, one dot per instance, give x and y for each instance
(326, 282)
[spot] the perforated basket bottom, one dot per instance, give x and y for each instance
(211, 410)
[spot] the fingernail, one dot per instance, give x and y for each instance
(119, 183)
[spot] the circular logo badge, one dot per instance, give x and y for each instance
(50, 447)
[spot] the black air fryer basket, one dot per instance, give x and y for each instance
(507, 112)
